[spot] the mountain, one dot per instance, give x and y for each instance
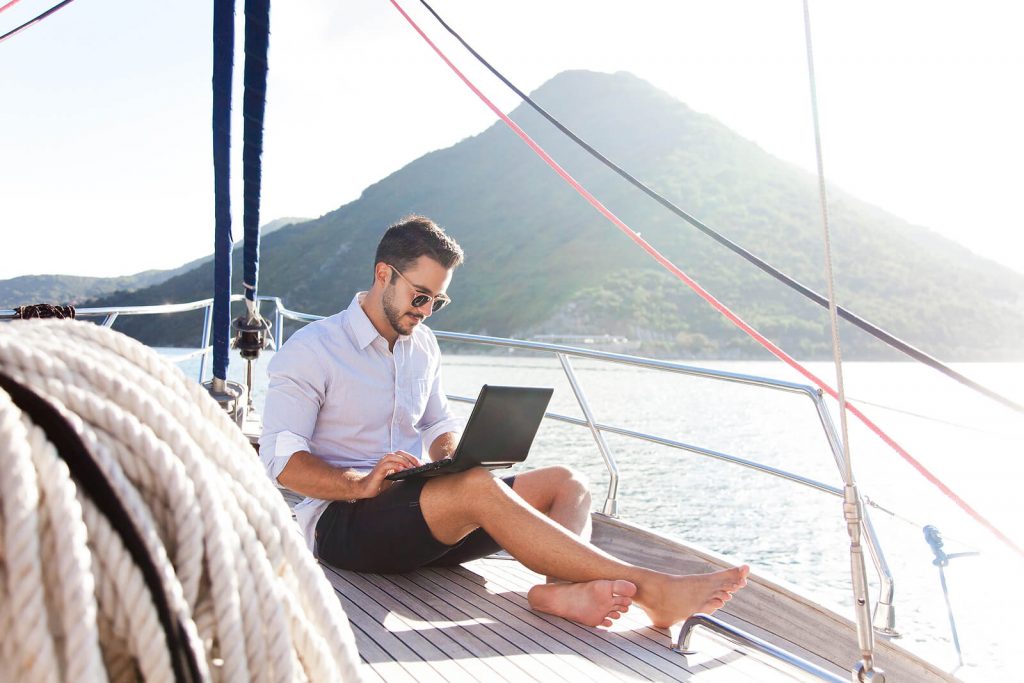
(541, 261)
(74, 289)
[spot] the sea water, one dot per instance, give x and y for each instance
(788, 532)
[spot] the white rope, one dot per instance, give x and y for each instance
(28, 642)
(235, 571)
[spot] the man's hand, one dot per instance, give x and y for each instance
(374, 482)
(310, 476)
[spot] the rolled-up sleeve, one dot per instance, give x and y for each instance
(437, 418)
(295, 394)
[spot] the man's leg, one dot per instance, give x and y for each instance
(560, 493)
(454, 505)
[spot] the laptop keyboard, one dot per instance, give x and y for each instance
(433, 465)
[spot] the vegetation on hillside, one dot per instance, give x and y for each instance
(541, 260)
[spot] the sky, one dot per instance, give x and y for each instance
(105, 143)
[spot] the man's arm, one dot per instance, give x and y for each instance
(443, 446)
(307, 475)
(438, 427)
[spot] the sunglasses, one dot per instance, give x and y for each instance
(420, 300)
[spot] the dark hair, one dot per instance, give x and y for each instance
(416, 236)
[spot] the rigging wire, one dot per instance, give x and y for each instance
(852, 504)
(837, 352)
(35, 20)
(872, 329)
(707, 296)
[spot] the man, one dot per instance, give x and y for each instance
(358, 395)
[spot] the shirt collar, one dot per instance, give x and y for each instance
(364, 330)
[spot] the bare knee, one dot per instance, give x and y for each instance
(456, 504)
(563, 485)
(470, 485)
(571, 482)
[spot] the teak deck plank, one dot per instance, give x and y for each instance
(619, 642)
(635, 635)
(520, 627)
(474, 623)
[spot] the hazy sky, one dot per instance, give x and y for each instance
(105, 162)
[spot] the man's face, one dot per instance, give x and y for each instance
(424, 276)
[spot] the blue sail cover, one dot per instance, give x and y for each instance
(223, 61)
(257, 40)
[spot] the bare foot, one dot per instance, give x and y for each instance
(670, 599)
(594, 603)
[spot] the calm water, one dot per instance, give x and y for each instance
(790, 533)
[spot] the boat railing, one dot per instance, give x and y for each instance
(741, 637)
(884, 617)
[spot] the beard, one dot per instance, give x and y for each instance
(396, 318)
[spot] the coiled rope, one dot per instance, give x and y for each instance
(246, 597)
(709, 298)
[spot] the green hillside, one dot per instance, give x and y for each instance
(541, 260)
(76, 289)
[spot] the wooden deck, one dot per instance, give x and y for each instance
(473, 623)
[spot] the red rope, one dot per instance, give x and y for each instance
(704, 294)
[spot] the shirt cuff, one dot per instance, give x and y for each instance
(286, 444)
(430, 434)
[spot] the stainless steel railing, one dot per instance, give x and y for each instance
(740, 636)
(884, 617)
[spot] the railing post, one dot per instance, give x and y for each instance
(611, 503)
(741, 637)
(884, 618)
(278, 328)
(207, 321)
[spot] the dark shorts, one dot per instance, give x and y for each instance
(387, 534)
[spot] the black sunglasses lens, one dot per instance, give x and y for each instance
(439, 304)
(421, 299)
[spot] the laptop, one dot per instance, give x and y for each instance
(499, 433)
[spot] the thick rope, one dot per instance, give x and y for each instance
(254, 104)
(704, 294)
(43, 311)
(74, 606)
(223, 243)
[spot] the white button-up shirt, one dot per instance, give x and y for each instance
(338, 392)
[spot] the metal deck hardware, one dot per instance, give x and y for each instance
(741, 637)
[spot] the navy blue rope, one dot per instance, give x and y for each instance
(254, 100)
(870, 328)
(223, 62)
